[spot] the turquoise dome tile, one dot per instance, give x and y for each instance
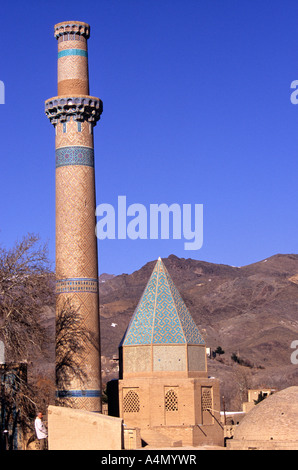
(161, 316)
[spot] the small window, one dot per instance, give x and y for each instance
(131, 402)
(171, 400)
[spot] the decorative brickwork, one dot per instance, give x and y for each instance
(74, 133)
(74, 114)
(71, 43)
(81, 108)
(71, 29)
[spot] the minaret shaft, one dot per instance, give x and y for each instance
(74, 114)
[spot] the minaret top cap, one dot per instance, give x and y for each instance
(77, 27)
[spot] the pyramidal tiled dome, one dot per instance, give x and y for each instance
(161, 316)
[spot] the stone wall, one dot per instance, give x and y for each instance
(72, 429)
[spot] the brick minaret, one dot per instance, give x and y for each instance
(74, 114)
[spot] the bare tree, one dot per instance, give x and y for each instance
(25, 288)
(72, 339)
(242, 377)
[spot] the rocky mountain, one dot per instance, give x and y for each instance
(249, 311)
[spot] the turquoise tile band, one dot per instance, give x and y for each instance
(74, 156)
(76, 285)
(78, 393)
(67, 52)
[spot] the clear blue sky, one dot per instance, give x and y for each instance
(197, 110)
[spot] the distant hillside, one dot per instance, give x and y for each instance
(250, 311)
(105, 277)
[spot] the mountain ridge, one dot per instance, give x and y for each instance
(250, 311)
